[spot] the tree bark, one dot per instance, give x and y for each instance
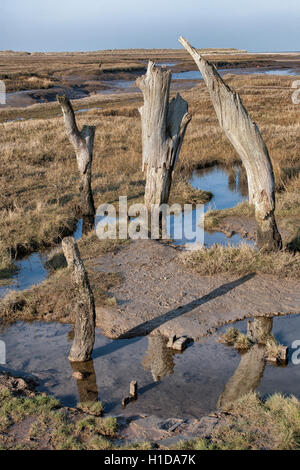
(245, 136)
(83, 143)
(163, 129)
(84, 338)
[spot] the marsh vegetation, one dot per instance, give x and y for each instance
(41, 204)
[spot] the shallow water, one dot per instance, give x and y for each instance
(188, 384)
(229, 189)
(196, 75)
(32, 270)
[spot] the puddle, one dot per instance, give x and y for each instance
(118, 86)
(166, 64)
(226, 184)
(229, 189)
(32, 270)
(187, 384)
(196, 75)
(85, 110)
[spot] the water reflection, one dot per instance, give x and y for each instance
(186, 385)
(158, 359)
(229, 187)
(252, 365)
(246, 377)
(85, 376)
(196, 75)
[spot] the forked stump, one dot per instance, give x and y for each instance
(245, 136)
(84, 338)
(83, 143)
(163, 129)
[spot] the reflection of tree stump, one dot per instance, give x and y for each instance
(163, 129)
(252, 365)
(242, 182)
(159, 358)
(231, 173)
(87, 386)
(245, 136)
(259, 329)
(246, 377)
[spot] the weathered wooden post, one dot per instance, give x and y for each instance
(84, 339)
(83, 143)
(163, 129)
(245, 136)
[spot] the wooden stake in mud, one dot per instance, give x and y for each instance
(245, 136)
(83, 143)
(84, 339)
(163, 129)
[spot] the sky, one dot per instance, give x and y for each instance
(89, 25)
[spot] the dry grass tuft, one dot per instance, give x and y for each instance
(243, 260)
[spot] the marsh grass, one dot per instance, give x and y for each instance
(243, 260)
(52, 300)
(233, 337)
(253, 424)
(275, 352)
(7, 269)
(39, 182)
(37, 421)
(90, 407)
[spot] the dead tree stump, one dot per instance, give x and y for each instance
(83, 143)
(163, 128)
(84, 338)
(245, 136)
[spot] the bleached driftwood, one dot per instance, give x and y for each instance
(163, 129)
(245, 136)
(83, 143)
(84, 339)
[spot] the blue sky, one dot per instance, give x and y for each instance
(72, 25)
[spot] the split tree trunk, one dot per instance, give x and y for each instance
(83, 143)
(84, 339)
(245, 136)
(163, 129)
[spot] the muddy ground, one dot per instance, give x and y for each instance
(158, 293)
(157, 432)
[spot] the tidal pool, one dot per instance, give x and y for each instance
(188, 384)
(229, 188)
(196, 75)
